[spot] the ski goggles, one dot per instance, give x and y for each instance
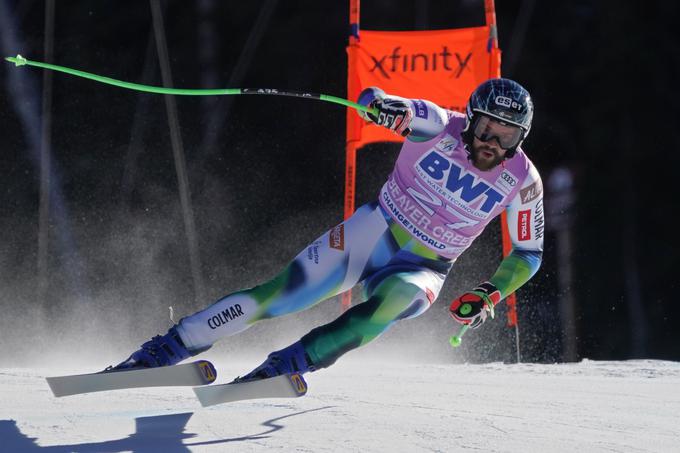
(487, 128)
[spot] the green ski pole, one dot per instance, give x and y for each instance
(21, 61)
(456, 340)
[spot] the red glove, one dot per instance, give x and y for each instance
(475, 306)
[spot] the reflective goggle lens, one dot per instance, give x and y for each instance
(487, 129)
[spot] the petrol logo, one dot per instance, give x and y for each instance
(336, 238)
(523, 225)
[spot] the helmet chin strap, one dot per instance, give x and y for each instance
(510, 152)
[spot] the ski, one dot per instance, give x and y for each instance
(200, 372)
(285, 386)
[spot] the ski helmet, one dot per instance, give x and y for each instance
(503, 100)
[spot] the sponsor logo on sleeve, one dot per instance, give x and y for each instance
(530, 193)
(539, 222)
(336, 237)
(313, 252)
(523, 225)
(420, 108)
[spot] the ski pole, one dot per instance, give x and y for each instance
(21, 61)
(456, 340)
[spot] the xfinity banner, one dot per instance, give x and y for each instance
(442, 66)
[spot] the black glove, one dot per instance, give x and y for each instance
(394, 114)
(475, 306)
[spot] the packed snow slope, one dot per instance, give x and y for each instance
(365, 406)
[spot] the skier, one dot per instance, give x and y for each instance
(455, 173)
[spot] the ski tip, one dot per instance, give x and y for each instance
(200, 372)
(205, 400)
(53, 383)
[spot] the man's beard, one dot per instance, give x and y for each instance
(484, 163)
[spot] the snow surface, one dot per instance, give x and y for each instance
(362, 406)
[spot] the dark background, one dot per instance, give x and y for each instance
(266, 173)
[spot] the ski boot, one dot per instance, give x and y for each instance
(292, 359)
(161, 350)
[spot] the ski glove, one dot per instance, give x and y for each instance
(394, 114)
(473, 307)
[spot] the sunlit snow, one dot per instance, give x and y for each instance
(362, 405)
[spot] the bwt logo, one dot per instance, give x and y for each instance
(434, 61)
(440, 169)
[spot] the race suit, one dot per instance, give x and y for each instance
(401, 247)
